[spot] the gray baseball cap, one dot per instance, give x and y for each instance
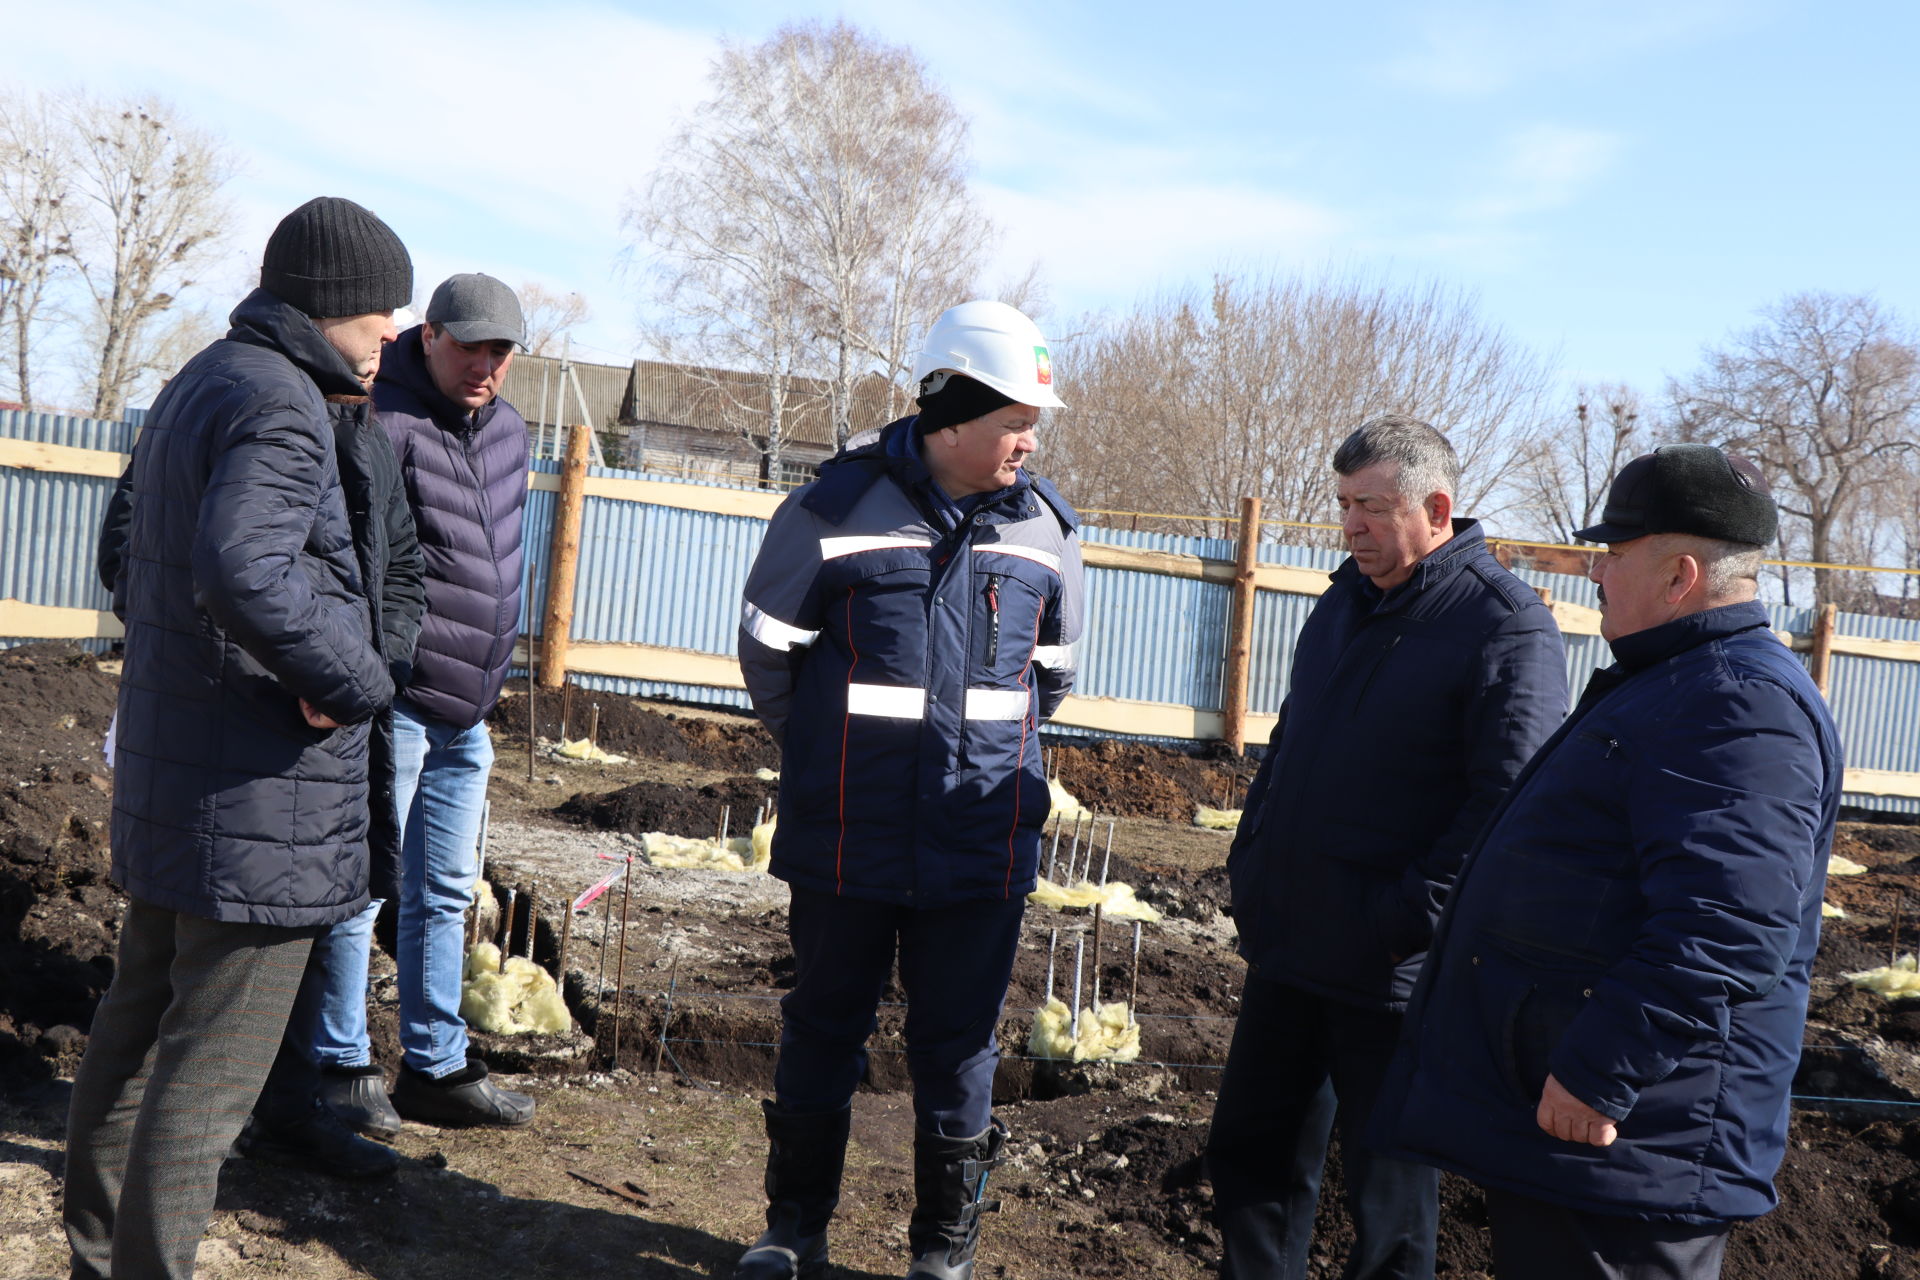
(477, 308)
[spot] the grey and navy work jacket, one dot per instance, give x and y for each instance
(904, 650)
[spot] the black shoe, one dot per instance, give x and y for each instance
(950, 1189)
(358, 1095)
(318, 1140)
(463, 1098)
(805, 1157)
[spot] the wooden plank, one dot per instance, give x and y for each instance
(1868, 647)
(660, 493)
(1575, 619)
(46, 622)
(1882, 782)
(33, 455)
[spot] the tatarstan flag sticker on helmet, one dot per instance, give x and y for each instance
(1042, 367)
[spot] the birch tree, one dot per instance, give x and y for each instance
(1823, 393)
(148, 215)
(810, 219)
(36, 243)
(550, 317)
(1197, 398)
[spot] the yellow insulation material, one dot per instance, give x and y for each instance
(1116, 899)
(585, 751)
(1830, 912)
(1897, 981)
(1105, 1035)
(1216, 819)
(737, 853)
(1065, 807)
(521, 1001)
(1839, 866)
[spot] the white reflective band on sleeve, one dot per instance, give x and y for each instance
(997, 704)
(1054, 657)
(885, 700)
(834, 548)
(772, 632)
(1034, 554)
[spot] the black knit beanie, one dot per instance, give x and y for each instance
(955, 399)
(330, 257)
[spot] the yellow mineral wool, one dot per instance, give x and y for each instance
(1830, 912)
(521, 1001)
(1107, 1033)
(736, 853)
(1897, 981)
(585, 751)
(1065, 807)
(1839, 866)
(763, 845)
(1216, 819)
(1115, 898)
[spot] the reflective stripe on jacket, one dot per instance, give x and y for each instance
(906, 668)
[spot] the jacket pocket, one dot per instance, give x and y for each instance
(1539, 1015)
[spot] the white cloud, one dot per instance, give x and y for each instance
(1544, 167)
(1479, 47)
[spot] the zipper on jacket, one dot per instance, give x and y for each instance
(1611, 744)
(993, 621)
(1377, 664)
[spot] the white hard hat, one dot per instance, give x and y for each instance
(992, 343)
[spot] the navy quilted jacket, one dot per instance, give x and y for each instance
(466, 476)
(1406, 717)
(241, 595)
(1639, 920)
(906, 659)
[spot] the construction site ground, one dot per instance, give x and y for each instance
(645, 1158)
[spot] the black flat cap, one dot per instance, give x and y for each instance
(1687, 488)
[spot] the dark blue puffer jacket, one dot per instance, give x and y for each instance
(241, 596)
(905, 653)
(466, 477)
(1640, 920)
(1406, 717)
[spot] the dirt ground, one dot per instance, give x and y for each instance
(658, 1087)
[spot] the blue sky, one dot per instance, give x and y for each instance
(1619, 183)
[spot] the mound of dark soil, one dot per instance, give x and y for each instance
(58, 914)
(679, 811)
(627, 728)
(1138, 780)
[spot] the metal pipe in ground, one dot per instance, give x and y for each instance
(673, 985)
(620, 966)
(506, 927)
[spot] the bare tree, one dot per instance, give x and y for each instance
(550, 317)
(36, 245)
(811, 218)
(1563, 483)
(148, 215)
(1193, 400)
(1823, 392)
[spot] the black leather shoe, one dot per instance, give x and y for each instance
(358, 1095)
(319, 1140)
(463, 1098)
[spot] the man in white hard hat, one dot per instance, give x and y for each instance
(908, 625)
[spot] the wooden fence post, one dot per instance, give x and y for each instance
(1824, 623)
(1233, 694)
(563, 560)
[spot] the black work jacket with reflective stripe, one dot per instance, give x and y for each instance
(906, 662)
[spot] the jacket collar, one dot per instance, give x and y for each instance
(1644, 649)
(263, 320)
(404, 365)
(1468, 540)
(846, 477)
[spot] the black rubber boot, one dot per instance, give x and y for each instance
(358, 1095)
(805, 1157)
(950, 1194)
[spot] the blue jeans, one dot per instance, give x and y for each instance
(440, 787)
(331, 1013)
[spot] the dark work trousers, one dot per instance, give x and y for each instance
(293, 1085)
(179, 1048)
(955, 963)
(1533, 1240)
(1300, 1067)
